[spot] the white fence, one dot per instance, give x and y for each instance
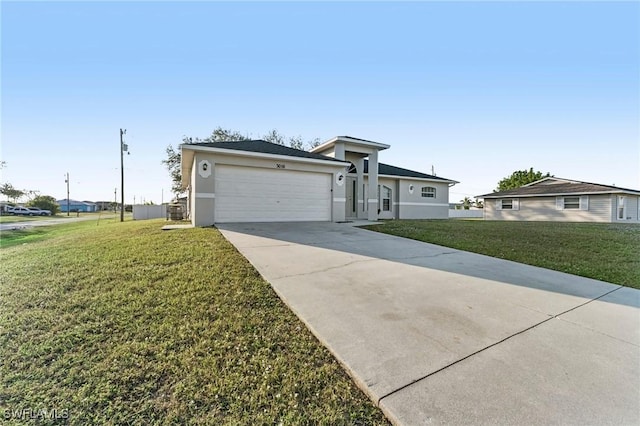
(453, 214)
(142, 212)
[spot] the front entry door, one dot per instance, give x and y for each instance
(352, 201)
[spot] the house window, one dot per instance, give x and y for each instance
(571, 203)
(385, 197)
(428, 192)
(508, 204)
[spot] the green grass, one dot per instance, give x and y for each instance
(32, 234)
(607, 252)
(123, 323)
(13, 219)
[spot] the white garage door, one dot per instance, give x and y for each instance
(250, 194)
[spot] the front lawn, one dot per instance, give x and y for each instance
(13, 219)
(604, 251)
(122, 323)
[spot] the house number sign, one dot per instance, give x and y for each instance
(280, 166)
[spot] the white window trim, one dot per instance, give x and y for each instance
(583, 200)
(381, 198)
(515, 203)
(428, 193)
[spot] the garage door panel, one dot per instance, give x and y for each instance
(247, 194)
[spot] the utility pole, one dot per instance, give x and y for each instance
(67, 182)
(123, 148)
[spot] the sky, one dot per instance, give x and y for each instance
(471, 90)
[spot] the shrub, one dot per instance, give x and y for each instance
(45, 202)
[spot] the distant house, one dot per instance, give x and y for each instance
(556, 199)
(77, 206)
(104, 205)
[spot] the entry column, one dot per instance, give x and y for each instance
(361, 202)
(372, 201)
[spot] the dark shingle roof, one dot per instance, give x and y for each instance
(571, 187)
(263, 147)
(272, 148)
(386, 169)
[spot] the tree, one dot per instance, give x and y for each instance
(174, 157)
(294, 142)
(519, 178)
(45, 202)
(172, 163)
(173, 160)
(466, 203)
(10, 192)
(31, 194)
(479, 203)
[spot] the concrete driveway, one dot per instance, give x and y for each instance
(435, 335)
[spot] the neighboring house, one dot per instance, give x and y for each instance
(556, 199)
(4, 207)
(104, 205)
(77, 206)
(259, 181)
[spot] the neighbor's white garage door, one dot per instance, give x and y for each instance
(251, 194)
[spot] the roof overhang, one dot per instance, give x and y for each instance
(448, 181)
(354, 142)
(188, 152)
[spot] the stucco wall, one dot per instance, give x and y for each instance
(406, 205)
(412, 205)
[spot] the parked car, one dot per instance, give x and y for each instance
(22, 211)
(39, 212)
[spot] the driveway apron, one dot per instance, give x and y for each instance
(435, 335)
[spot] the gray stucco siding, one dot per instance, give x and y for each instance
(412, 205)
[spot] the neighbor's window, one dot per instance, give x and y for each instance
(428, 192)
(506, 204)
(571, 203)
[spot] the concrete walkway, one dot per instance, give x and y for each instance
(435, 335)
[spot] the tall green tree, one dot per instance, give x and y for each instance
(173, 160)
(10, 192)
(520, 178)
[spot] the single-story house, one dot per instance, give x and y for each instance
(77, 206)
(259, 181)
(556, 199)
